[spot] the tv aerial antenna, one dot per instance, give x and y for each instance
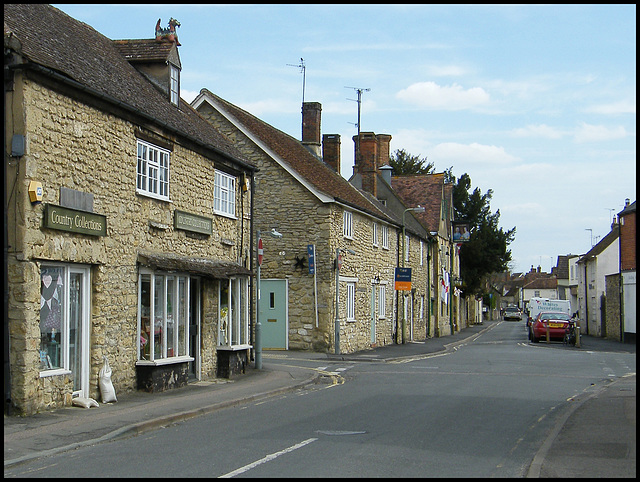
(359, 101)
(302, 68)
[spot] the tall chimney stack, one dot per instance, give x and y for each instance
(331, 150)
(384, 140)
(367, 161)
(311, 113)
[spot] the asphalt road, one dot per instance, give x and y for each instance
(482, 409)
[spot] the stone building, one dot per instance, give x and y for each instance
(372, 174)
(325, 222)
(447, 304)
(128, 218)
(628, 250)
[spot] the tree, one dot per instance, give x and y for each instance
(486, 251)
(404, 163)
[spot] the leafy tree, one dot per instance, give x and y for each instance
(486, 251)
(404, 163)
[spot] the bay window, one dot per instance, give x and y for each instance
(164, 316)
(233, 303)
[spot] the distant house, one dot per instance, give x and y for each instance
(128, 218)
(541, 287)
(593, 267)
(628, 246)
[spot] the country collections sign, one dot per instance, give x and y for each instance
(74, 221)
(192, 222)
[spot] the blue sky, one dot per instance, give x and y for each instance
(535, 102)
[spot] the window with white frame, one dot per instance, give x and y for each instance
(347, 224)
(382, 296)
(163, 315)
(375, 234)
(233, 307)
(64, 322)
(224, 194)
(153, 171)
(385, 236)
(175, 84)
(351, 301)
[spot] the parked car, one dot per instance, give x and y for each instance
(556, 322)
(512, 313)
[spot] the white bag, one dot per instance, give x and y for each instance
(106, 387)
(84, 402)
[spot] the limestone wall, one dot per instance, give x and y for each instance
(72, 145)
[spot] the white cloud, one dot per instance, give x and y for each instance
(539, 131)
(453, 152)
(434, 96)
(446, 71)
(591, 133)
(614, 108)
(188, 95)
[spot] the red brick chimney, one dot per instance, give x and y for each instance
(384, 140)
(311, 113)
(331, 150)
(366, 160)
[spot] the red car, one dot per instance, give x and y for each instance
(557, 323)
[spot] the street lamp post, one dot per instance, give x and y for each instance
(417, 209)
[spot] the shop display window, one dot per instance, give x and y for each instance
(233, 326)
(163, 328)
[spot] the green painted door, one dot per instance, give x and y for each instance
(274, 314)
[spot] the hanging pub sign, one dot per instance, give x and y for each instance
(74, 221)
(461, 232)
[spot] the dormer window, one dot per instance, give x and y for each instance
(175, 84)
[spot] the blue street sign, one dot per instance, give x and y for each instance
(311, 251)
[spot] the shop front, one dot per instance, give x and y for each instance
(193, 320)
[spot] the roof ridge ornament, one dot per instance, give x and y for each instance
(168, 33)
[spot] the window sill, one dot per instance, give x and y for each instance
(165, 361)
(53, 373)
(233, 347)
(225, 215)
(153, 196)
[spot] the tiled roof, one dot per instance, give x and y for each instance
(425, 190)
(54, 40)
(542, 283)
(144, 50)
(301, 160)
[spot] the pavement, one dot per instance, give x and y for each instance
(577, 440)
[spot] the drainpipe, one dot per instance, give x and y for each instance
(586, 297)
(451, 247)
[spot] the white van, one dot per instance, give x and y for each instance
(536, 305)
